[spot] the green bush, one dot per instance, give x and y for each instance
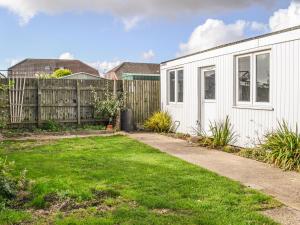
(283, 147)
(10, 185)
(231, 149)
(61, 73)
(160, 122)
(258, 154)
(51, 125)
(222, 133)
(109, 107)
(7, 183)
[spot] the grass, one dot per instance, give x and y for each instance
(49, 128)
(116, 180)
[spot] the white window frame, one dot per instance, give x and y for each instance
(176, 86)
(254, 87)
(253, 78)
(212, 68)
(237, 80)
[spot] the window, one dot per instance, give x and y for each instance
(175, 86)
(172, 86)
(263, 78)
(209, 85)
(244, 76)
(253, 78)
(180, 86)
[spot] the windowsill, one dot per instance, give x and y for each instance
(209, 101)
(175, 103)
(266, 108)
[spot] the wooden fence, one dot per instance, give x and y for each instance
(35, 101)
(143, 97)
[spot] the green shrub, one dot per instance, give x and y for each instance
(283, 146)
(61, 73)
(160, 122)
(222, 133)
(10, 185)
(258, 154)
(7, 184)
(205, 141)
(231, 149)
(109, 107)
(51, 125)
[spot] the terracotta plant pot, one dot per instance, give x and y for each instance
(109, 127)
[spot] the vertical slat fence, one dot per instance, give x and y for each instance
(71, 101)
(143, 97)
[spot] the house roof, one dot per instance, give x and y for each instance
(58, 62)
(82, 73)
(142, 68)
(236, 42)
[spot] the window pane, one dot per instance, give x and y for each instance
(180, 86)
(263, 78)
(172, 86)
(209, 85)
(244, 77)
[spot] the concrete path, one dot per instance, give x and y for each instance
(284, 186)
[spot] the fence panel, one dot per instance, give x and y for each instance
(143, 97)
(70, 101)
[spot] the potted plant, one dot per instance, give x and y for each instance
(109, 107)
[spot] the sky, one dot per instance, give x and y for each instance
(104, 33)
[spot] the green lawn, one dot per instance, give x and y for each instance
(116, 180)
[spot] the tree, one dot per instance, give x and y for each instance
(61, 73)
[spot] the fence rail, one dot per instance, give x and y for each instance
(70, 101)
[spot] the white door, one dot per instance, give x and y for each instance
(208, 97)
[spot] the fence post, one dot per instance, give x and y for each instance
(78, 102)
(39, 103)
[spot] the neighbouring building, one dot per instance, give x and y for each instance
(29, 68)
(256, 82)
(82, 76)
(135, 71)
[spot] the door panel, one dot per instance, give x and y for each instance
(208, 97)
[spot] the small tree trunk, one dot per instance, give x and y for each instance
(118, 121)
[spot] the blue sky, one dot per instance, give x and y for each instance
(100, 38)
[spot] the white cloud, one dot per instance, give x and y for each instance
(130, 23)
(257, 26)
(66, 55)
(213, 33)
(105, 66)
(148, 55)
(127, 11)
(284, 18)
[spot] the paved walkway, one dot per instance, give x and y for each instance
(284, 186)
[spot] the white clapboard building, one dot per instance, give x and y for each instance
(256, 82)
